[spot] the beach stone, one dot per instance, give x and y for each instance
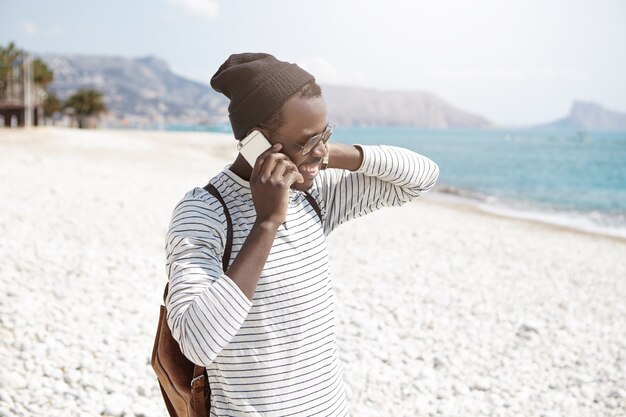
(53, 372)
(115, 404)
(460, 388)
(428, 373)
(580, 378)
(496, 401)
(614, 394)
(480, 383)
(422, 406)
(141, 391)
(59, 387)
(611, 403)
(71, 377)
(12, 380)
(5, 397)
(29, 365)
(144, 408)
(587, 391)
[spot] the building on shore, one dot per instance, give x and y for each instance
(21, 100)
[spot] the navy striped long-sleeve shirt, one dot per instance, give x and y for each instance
(275, 355)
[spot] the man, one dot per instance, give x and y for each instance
(265, 328)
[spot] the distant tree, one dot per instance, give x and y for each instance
(51, 105)
(86, 102)
(8, 56)
(42, 74)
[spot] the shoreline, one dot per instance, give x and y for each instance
(555, 219)
(442, 193)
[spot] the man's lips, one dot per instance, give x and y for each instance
(310, 169)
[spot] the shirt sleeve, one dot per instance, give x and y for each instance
(205, 308)
(388, 176)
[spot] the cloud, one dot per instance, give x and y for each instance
(326, 73)
(208, 9)
(29, 27)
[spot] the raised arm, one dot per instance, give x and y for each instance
(386, 176)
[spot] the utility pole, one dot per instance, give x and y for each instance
(28, 91)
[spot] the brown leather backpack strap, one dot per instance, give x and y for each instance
(314, 204)
(199, 388)
(229, 225)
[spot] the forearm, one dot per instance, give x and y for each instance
(348, 157)
(248, 265)
(387, 177)
(411, 172)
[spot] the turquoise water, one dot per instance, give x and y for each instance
(566, 177)
(580, 176)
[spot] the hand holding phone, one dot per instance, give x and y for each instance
(270, 182)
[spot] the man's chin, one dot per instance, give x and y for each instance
(304, 186)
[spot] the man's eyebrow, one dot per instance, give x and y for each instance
(308, 134)
(304, 137)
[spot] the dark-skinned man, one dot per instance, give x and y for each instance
(265, 328)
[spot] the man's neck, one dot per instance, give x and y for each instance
(241, 168)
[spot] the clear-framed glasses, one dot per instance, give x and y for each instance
(323, 137)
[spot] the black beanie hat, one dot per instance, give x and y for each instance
(257, 85)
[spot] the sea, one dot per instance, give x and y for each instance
(572, 178)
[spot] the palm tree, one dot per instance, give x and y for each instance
(86, 102)
(8, 57)
(51, 105)
(42, 74)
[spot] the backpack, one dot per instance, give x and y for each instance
(185, 385)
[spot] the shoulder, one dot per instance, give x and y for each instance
(198, 213)
(197, 198)
(201, 199)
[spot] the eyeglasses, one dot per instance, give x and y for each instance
(323, 137)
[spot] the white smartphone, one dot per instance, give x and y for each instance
(252, 146)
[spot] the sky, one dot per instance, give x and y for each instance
(515, 62)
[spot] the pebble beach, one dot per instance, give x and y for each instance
(442, 309)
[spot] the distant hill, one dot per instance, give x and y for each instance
(142, 90)
(369, 107)
(590, 116)
(146, 91)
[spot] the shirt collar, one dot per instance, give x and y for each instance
(245, 185)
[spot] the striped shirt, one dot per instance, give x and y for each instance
(277, 354)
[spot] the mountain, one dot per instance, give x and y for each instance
(144, 91)
(590, 116)
(138, 91)
(369, 107)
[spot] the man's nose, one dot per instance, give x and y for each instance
(319, 150)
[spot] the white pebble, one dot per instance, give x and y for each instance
(12, 380)
(480, 383)
(587, 392)
(115, 404)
